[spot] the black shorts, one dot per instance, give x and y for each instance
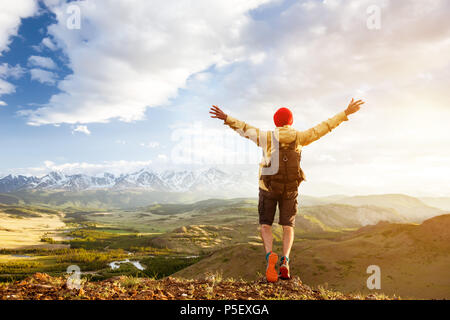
(287, 204)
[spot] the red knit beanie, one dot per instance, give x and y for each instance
(283, 117)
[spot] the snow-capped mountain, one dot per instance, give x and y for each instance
(211, 180)
(13, 183)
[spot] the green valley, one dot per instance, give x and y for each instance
(336, 239)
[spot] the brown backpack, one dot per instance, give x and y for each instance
(289, 174)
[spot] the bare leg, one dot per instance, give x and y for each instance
(267, 237)
(288, 239)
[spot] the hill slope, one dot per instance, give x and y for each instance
(414, 260)
(442, 203)
(342, 216)
(412, 209)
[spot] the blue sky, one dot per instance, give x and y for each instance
(29, 146)
(131, 86)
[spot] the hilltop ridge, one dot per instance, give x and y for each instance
(43, 287)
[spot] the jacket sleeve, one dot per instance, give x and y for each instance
(306, 137)
(246, 130)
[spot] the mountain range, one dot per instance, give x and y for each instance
(208, 180)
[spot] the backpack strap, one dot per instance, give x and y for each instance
(268, 147)
(293, 144)
(270, 137)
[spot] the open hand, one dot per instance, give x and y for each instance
(353, 106)
(217, 113)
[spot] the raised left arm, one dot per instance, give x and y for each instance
(317, 132)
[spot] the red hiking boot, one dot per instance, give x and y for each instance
(284, 268)
(271, 273)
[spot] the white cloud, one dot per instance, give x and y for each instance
(3, 103)
(82, 129)
(386, 145)
(197, 144)
(345, 57)
(258, 58)
(150, 144)
(312, 57)
(126, 58)
(6, 87)
(114, 167)
(42, 62)
(7, 71)
(162, 157)
(43, 76)
(11, 14)
(48, 43)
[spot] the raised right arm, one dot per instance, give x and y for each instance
(244, 129)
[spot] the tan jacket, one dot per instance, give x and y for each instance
(285, 135)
